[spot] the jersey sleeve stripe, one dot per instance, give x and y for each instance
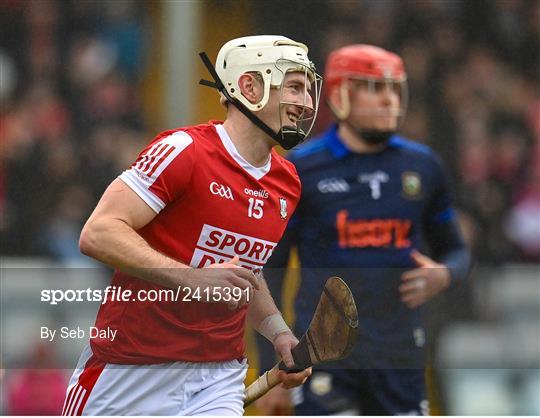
(141, 161)
(130, 178)
(141, 176)
(161, 160)
(155, 158)
(143, 166)
(179, 142)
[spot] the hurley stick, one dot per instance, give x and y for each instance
(331, 335)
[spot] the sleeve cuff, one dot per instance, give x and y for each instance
(130, 178)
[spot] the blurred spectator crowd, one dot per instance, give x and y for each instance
(71, 118)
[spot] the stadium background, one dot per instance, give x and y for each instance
(85, 84)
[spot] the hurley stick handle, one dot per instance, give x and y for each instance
(270, 378)
(262, 385)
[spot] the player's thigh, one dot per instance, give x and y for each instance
(98, 388)
(221, 390)
(139, 390)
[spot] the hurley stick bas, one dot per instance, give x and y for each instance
(331, 335)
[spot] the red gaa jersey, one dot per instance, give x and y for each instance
(211, 205)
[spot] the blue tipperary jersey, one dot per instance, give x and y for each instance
(359, 217)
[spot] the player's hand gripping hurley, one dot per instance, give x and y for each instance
(331, 335)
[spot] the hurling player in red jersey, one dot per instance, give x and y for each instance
(197, 215)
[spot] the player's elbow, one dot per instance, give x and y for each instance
(89, 239)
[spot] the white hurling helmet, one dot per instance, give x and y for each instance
(271, 57)
(261, 54)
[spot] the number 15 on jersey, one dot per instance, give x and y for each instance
(255, 209)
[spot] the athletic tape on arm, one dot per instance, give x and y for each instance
(273, 325)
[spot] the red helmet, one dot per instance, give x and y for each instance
(364, 61)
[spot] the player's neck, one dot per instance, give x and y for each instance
(356, 143)
(250, 142)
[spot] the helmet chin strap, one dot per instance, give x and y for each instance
(374, 136)
(287, 137)
(290, 137)
(371, 136)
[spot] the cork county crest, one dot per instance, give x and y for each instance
(283, 208)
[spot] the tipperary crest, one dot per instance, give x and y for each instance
(321, 383)
(283, 208)
(411, 185)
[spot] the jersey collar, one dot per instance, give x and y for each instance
(340, 150)
(256, 172)
(334, 143)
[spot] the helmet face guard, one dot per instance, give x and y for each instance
(299, 100)
(372, 86)
(272, 57)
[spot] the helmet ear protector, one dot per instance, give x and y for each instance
(271, 57)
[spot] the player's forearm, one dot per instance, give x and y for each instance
(261, 305)
(458, 263)
(448, 248)
(116, 244)
(263, 315)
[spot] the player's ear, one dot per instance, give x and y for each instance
(251, 87)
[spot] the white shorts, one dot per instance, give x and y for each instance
(178, 388)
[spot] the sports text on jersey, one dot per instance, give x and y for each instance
(216, 245)
(360, 233)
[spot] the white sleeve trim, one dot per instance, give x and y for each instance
(130, 178)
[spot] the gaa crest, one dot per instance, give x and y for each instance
(411, 185)
(283, 208)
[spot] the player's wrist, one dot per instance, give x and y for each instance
(446, 277)
(272, 326)
(184, 278)
(440, 280)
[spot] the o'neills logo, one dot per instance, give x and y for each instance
(361, 233)
(216, 245)
(256, 193)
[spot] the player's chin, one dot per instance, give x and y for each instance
(386, 124)
(289, 126)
